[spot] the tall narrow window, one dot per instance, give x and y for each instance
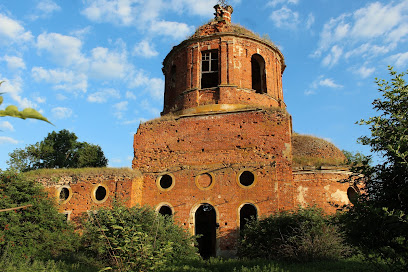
(209, 69)
(258, 73)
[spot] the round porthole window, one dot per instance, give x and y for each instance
(64, 194)
(205, 181)
(165, 182)
(246, 178)
(100, 193)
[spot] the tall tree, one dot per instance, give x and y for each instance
(58, 150)
(378, 223)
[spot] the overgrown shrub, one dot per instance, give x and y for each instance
(37, 231)
(135, 239)
(380, 234)
(305, 234)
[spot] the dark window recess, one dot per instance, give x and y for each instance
(209, 69)
(64, 194)
(165, 210)
(247, 213)
(173, 77)
(100, 193)
(258, 73)
(166, 181)
(246, 178)
(206, 228)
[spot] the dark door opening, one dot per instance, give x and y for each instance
(205, 227)
(247, 213)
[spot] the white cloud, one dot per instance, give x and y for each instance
(274, 3)
(145, 49)
(399, 60)
(120, 109)
(61, 79)
(322, 81)
(6, 125)
(64, 50)
(364, 72)
(81, 33)
(130, 95)
(368, 50)
(14, 62)
(173, 29)
(333, 57)
(108, 65)
(103, 96)
(7, 140)
(285, 18)
(48, 6)
(156, 88)
(12, 31)
(14, 88)
(40, 100)
(114, 11)
(61, 113)
(310, 20)
(328, 82)
(370, 31)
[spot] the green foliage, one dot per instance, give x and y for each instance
(135, 239)
(12, 111)
(356, 158)
(36, 232)
(58, 150)
(302, 235)
(378, 224)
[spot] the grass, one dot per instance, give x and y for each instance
(51, 173)
(236, 265)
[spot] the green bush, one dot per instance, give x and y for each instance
(35, 232)
(302, 235)
(135, 239)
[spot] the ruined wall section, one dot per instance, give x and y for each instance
(326, 189)
(77, 194)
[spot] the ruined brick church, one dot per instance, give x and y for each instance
(223, 150)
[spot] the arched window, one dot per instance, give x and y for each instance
(247, 213)
(166, 210)
(258, 73)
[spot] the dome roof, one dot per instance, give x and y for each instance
(313, 151)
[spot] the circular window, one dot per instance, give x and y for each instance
(100, 193)
(246, 178)
(166, 210)
(165, 182)
(204, 181)
(64, 194)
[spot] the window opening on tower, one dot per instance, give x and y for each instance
(209, 69)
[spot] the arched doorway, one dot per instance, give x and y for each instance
(258, 73)
(246, 213)
(205, 226)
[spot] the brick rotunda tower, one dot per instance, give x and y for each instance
(220, 154)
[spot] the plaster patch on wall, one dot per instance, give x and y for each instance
(340, 196)
(287, 151)
(301, 196)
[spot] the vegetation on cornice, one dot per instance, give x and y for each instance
(81, 172)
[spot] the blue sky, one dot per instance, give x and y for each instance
(94, 66)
